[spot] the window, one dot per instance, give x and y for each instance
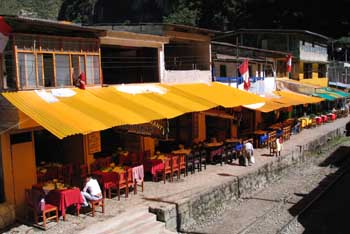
(322, 69)
(62, 71)
(55, 62)
(223, 72)
(92, 70)
(27, 70)
(307, 70)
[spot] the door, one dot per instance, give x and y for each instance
(23, 168)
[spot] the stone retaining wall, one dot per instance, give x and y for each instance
(191, 211)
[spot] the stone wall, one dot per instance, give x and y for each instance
(188, 212)
(7, 215)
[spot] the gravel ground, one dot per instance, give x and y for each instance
(187, 187)
(268, 210)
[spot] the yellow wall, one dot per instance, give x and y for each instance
(148, 144)
(19, 171)
(301, 71)
(315, 80)
(7, 168)
(314, 71)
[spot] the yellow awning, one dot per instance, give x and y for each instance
(271, 105)
(81, 113)
(66, 112)
(221, 95)
(292, 98)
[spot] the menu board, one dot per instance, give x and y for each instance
(94, 142)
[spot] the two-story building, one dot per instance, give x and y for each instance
(45, 118)
(262, 66)
(308, 50)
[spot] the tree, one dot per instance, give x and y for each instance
(184, 12)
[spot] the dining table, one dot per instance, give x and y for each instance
(181, 151)
(64, 198)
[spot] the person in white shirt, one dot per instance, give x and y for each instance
(91, 191)
(250, 151)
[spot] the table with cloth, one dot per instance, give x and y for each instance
(214, 149)
(260, 138)
(331, 116)
(318, 120)
(182, 151)
(153, 165)
(108, 177)
(63, 198)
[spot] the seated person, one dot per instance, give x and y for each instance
(91, 190)
(296, 128)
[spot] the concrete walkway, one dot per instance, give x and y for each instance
(184, 188)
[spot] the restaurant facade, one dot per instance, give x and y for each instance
(49, 115)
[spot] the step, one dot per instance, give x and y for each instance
(134, 224)
(147, 228)
(111, 223)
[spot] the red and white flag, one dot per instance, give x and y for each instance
(289, 63)
(244, 70)
(5, 31)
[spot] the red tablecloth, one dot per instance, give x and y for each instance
(332, 116)
(324, 118)
(214, 152)
(65, 198)
(153, 166)
(318, 119)
(106, 177)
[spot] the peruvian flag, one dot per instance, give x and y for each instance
(289, 63)
(244, 70)
(5, 31)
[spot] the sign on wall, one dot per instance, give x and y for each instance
(94, 142)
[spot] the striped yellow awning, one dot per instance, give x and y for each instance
(271, 105)
(66, 112)
(292, 98)
(220, 94)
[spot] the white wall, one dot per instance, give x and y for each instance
(259, 87)
(190, 76)
(312, 53)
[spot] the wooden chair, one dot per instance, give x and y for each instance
(203, 159)
(192, 163)
(35, 202)
(273, 148)
(95, 204)
(182, 164)
(139, 180)
(130, 181)
(166, 170)
(122, 183)
(271, 137)
(175, 166)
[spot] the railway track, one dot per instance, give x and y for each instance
(278, 219)
(291, 224)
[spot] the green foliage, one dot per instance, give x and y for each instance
(47, 9)
(184, 12)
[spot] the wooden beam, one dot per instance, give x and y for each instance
(136, 36)
(187, 36)
(130, 42)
